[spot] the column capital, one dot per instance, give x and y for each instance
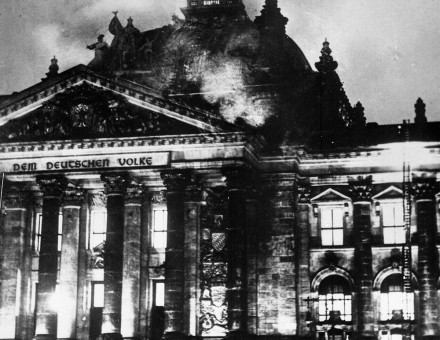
(52, 186)
(159, 197)
(360, 188)
(115, 183)
(134, 194)
(423, 187)
(98, 199)
(15, 197)
(304, 193)
(73, 196)
(177, 180)
(238, 178)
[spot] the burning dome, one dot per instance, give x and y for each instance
(217, 59)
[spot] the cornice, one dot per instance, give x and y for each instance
(176, 140)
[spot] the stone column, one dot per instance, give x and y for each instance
(115, 187)
(176, 183)
(428, 259)
(132, 263)
(68, 284)
(363, 258)
(191, 254)
(303, 255)
(46, 319)
(236, 244)
(12, 257)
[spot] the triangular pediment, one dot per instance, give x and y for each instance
(330, 195)
(391, 192)
(103, 107)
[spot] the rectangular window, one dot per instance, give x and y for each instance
(38, 223)
(332, 224)
(97, 294)
(98, 227)
(158, 293)
(194, 3)
(160, 221)
(393, 224)
(38, 228)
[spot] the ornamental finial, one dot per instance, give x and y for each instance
(326, 63)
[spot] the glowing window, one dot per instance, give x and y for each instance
(393, 224)
(38, 229)
(194, 3)
(158, 293)
(160, 221)
(211, 2)
(395, 304)
(97, 294)
(334, 300)
(332, 222)
(98, 228)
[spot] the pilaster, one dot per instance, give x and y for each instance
(428, 259)
(360, 189)
(236, 245)
(46, 318)
(303, 255)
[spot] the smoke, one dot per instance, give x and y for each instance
(223, 82)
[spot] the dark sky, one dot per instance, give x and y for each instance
(388, 50)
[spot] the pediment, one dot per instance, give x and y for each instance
(391, 192)
(82, 104)
(330, 195)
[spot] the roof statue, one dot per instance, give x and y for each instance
(53, 68)
(101, 48)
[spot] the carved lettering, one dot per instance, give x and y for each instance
(25, 167)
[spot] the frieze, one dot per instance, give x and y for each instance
(137, 160)
(360, 188)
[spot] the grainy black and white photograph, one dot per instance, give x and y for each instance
(219, 169)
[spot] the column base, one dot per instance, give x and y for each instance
(111, 336)
(175, 336)
(44, 337)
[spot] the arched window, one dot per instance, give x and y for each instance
(395, 304)
(334, 300)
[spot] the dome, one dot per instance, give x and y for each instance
(217, 59)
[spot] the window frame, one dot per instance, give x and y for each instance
(93, 293)
(398, 232)
(159, 232)
(155, 283)
(91, 229)
(346, 315)
(38, 224)
(332, 207)
(407, 315)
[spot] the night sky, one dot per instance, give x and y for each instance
(388, 50)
